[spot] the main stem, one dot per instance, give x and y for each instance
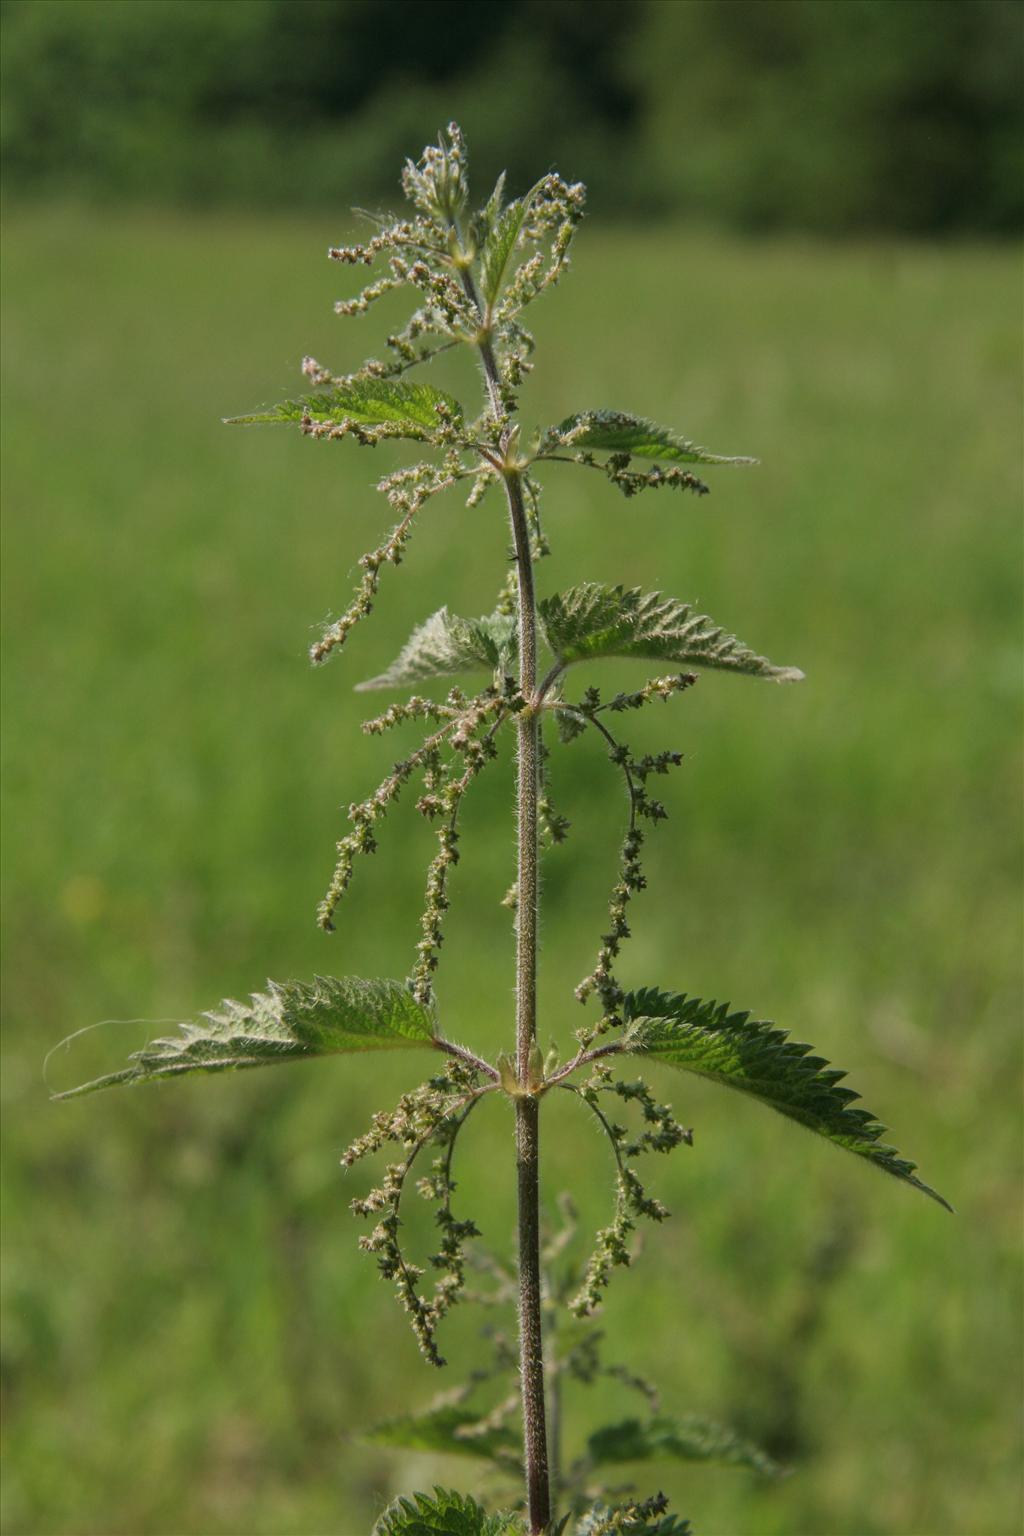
(531, 1349)
(527, 1107)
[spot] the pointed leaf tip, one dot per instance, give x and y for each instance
(450, 1430)
(445, 645)
(689, 1438)
(619, 432)
(592, 620)
(291, 1020)
(759, 1059)
(392, 407)
(504, 226)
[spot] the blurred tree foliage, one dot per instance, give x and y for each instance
(815, 114)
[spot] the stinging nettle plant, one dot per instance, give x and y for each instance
(473, 276)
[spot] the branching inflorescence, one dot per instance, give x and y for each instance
(471, 277)
(433, 1113)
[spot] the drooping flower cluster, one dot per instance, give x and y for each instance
(661, 1132)
(433, 1113)
(643, 808)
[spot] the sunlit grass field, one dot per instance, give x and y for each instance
(192, 1343)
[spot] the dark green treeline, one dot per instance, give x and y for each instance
(836, 116)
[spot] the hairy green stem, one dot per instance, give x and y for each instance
(531, 1342)
(531, 1346)
(527, 1106)
(556, 1415)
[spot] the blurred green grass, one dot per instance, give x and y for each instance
(191, 1340)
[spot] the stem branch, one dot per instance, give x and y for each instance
(469, 1057)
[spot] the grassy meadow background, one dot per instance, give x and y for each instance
(192, 1342)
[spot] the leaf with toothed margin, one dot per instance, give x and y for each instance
(618, 432)
(591, 620)
(451, 1430)
(444, 1513)
(689, 1438)
(501, 240)
(761, 1060)
(445, 645)
(291, 1020)
(403, 410)
(651, 1517)
(494, 204)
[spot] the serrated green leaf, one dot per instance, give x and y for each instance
(631, 1519)
(406, 410)
(500, 243)
(759, 1059)
(689, 1438)
(450, 1430)
(446, 645)
(618, 432)
(444, 1513)
(593, 620)
(493, 205)
(291, 1020)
